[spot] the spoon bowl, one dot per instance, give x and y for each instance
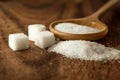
(91, 36)
(91, 21)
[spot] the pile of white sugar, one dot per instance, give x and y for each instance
(85, 50)
(75, 28)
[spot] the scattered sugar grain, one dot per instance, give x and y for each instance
(33, 29)
(85, 50)
(75, 28)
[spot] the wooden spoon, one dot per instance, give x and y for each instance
(92, 21)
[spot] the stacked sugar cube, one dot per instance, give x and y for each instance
(40, 36)
(36, 33)
(44, 39)
(34, 29)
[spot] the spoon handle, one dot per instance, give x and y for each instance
(110, 4)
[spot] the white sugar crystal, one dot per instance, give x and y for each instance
(33, 29)
(18, 41)
(75, 28)
(44, 39)
(85, 50)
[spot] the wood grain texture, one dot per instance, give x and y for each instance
(38, 64)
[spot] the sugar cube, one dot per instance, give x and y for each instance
(33, 29)
(18, 41)
(44, 39)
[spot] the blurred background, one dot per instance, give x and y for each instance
(43, 1)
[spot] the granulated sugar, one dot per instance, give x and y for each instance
(75, 28)
(85, 50)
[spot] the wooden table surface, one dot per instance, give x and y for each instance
(38, 64)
